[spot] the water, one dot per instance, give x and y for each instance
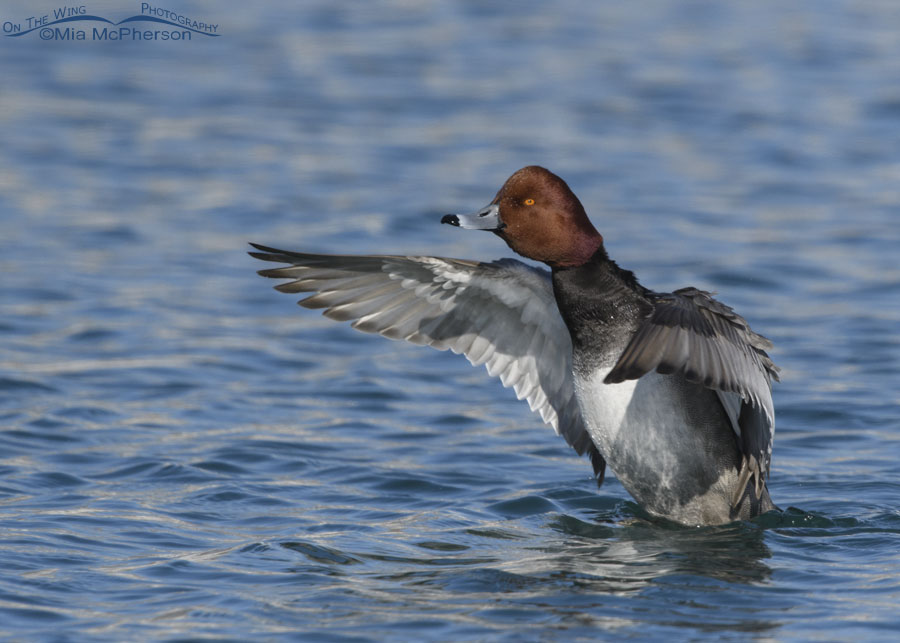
(184, 453)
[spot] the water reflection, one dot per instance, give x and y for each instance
(607, 571)
(640, 551)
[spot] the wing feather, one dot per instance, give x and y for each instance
(500, 314)
(690, 333)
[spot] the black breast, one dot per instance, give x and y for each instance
(602, 306)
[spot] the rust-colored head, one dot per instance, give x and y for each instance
(539, 217)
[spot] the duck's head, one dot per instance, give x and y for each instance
(539, 217)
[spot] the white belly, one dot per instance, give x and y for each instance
(664, 440)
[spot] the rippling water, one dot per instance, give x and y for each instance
(185, 453)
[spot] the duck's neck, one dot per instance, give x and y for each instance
(601, 305)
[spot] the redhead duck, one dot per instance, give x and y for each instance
(672, 390)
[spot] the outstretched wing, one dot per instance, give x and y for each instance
(691, 333)
(501, 314)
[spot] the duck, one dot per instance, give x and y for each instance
(671, 390)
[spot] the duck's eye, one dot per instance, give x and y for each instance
(529, 201)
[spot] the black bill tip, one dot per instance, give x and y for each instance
(452, 219)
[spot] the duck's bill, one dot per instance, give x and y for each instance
(487, 218)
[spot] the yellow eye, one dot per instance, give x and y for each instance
(529, 201)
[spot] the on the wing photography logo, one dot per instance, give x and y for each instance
(73, 23)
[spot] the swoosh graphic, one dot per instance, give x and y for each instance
(56, 22)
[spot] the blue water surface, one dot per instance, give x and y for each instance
(184, 453)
